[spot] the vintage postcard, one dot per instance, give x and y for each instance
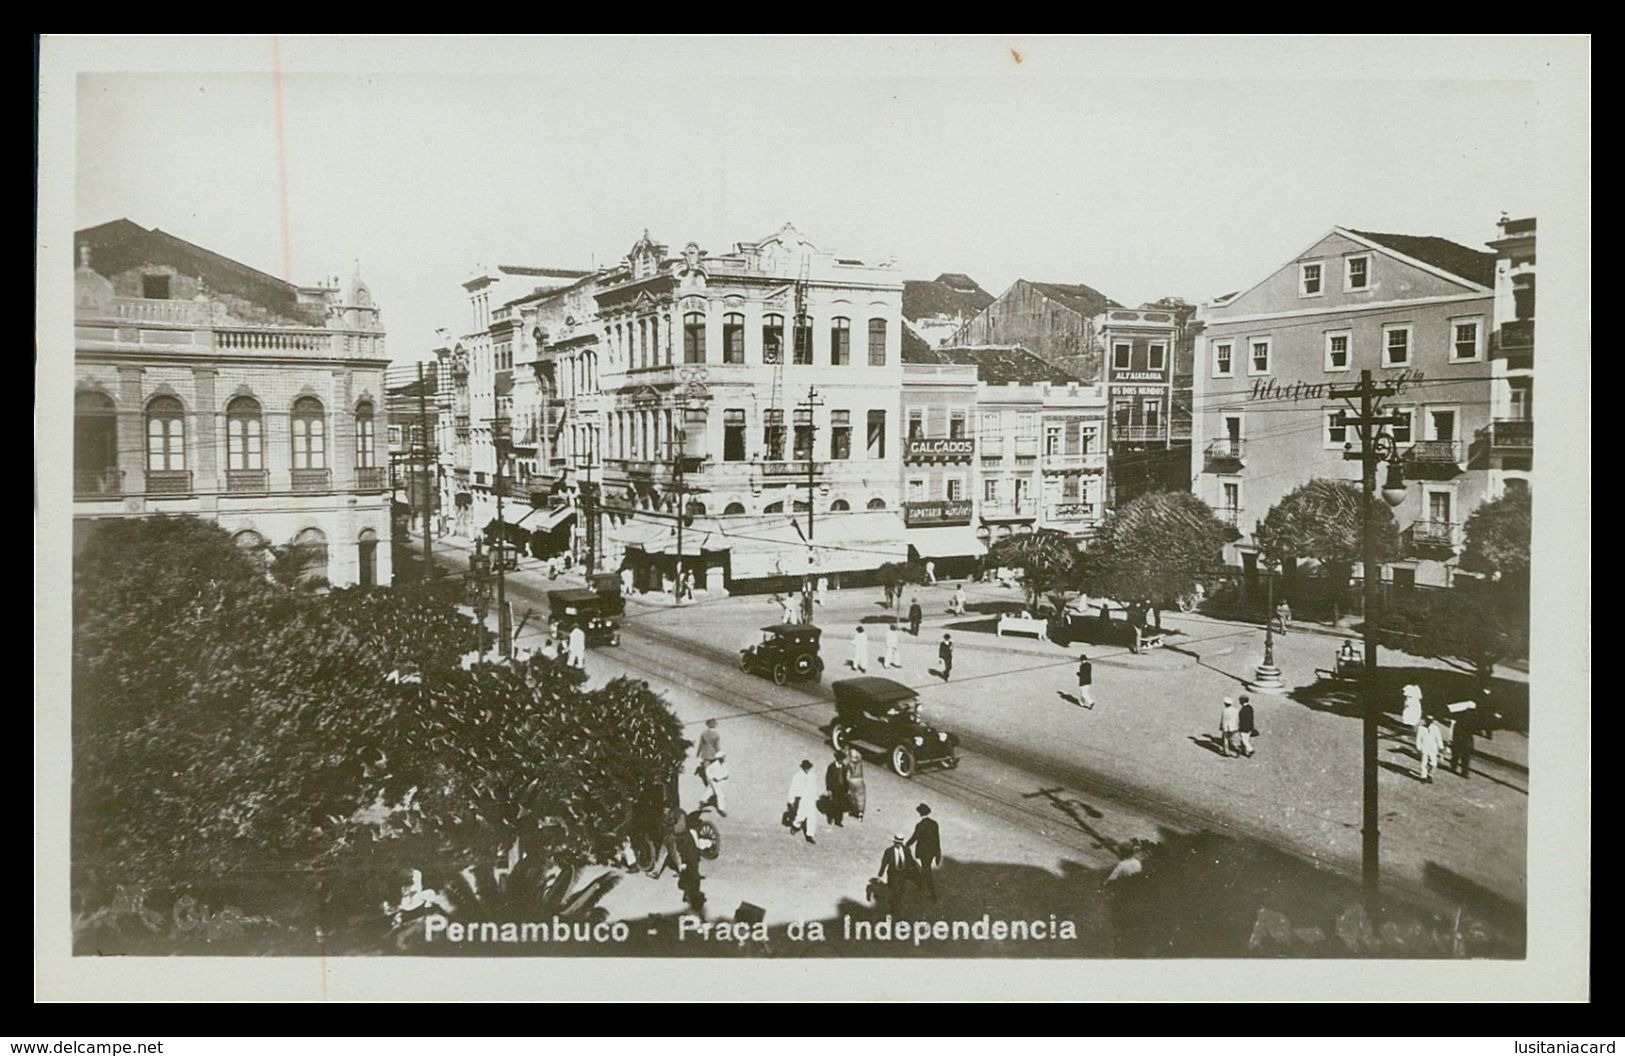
(1063, 511)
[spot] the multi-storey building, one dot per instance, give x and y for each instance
(1039, 440)
(939, 461)
(412, 401)
(1148, 374)
(1509, 440)
(489, 346)
(206, 387)
(936, 310)
(1417, 312)
(754, 392)
(1055, 321)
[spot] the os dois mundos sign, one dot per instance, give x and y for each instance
(941, 449)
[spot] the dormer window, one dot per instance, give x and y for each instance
(1309, 279)
(155, 287)
(1357, 273)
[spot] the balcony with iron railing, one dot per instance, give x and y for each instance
(98, 483)
(1516, 338)
(312, 481)
(1435, 452)
(370, 478)
(1431, 536)
(1137, 434)
(169, 483)
(1230, 515)
(1512, 434)
(1075, 460)
(246, 481)
(1227, 449)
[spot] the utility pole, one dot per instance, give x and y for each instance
(428, 452)
(499, 440)
(1375, 447)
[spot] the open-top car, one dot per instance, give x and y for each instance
(882, 714)
(787, 651)
(589, 610)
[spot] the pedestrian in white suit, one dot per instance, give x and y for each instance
(802, 800)
(860, 650)
(894, 645)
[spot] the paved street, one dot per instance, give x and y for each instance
(1050, 791)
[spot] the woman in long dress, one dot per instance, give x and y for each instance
(856, 792)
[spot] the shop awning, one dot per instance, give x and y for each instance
(958, 541)
(519, 514)
(650, 535)
(841, 542)
(548, 520)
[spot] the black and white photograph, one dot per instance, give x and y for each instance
(962, 504)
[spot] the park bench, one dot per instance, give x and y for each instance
(1018, 625)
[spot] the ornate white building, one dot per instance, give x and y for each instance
(206, 387)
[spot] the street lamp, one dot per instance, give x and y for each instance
(1266, 676)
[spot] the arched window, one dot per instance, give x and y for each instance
(773, 507)
(95, 445)
(365, 456)
(309, 434)
(772, 338)
(695, 508)
(877, 342)
(877, 504)
(310, 557)
(799, 506)
(840, 342)
(839, 506)
(733, 338)
(166, 435)
(694, 337)
(244, 435)
(367, 555)
(734, 508)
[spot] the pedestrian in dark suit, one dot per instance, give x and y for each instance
(1247, 726)
(927, 846)
(945, 653)
(1462, 742)
(896, 867)
(915, 615)
(1086, 679)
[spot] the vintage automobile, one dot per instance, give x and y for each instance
(880, 713)
(787, 651)
(589, 610)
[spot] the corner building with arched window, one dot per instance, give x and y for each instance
(205, 387)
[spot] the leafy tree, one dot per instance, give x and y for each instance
(895, 575)
(1497, 535)
(240, 743)
(1048, 561)
(1323, 520)
(1156, 547)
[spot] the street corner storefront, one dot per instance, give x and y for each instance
(772, 554)
(940, 532)
(539, 532)
(657, 554)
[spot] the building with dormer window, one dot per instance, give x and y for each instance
(1416, 311)
(206, 387)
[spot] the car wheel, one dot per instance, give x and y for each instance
(644, 848)
(744, 663)
(1187, 603)
(707, 831)
(781, 674)
(902, 761)
(837, 737)
(806, 666)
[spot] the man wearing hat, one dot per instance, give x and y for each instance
(945, 653)
(1229, 727)
(927, 846)
(801, 800)
(896, 867)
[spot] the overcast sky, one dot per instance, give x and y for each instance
(1143, 168)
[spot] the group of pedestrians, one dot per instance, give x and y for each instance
(846, 793)
(892, 658)
(1237, 727)
(909, 861)
(1429, 735)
